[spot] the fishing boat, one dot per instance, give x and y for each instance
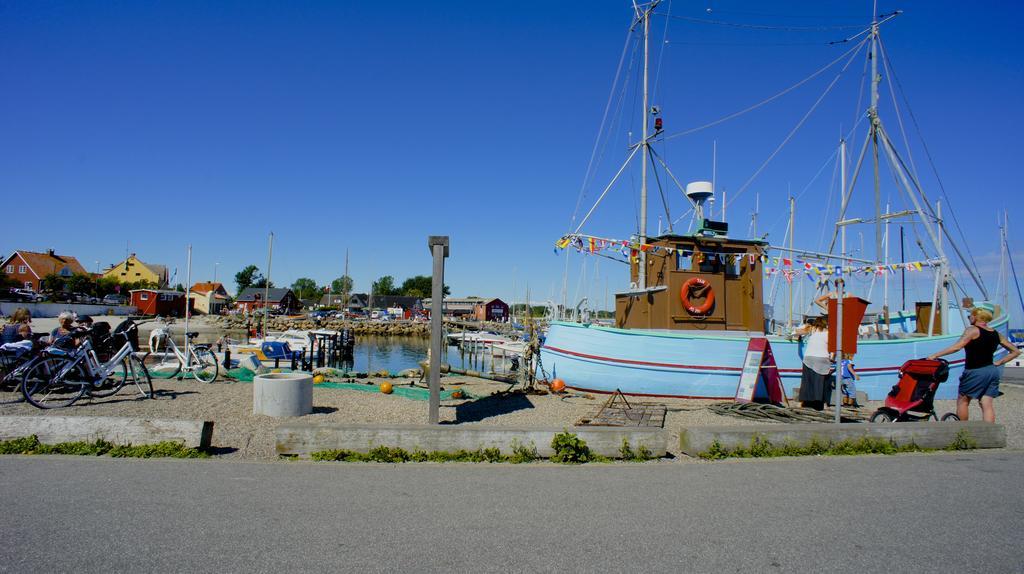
(696, 300)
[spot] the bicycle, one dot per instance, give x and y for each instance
(14, 362)
(66, 371)
(198, 360)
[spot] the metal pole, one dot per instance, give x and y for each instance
(266, 286)
(188, 310)
(840, 283)
(944, 272)
(439, 249)
(903, 274)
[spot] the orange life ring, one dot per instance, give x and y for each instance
(709, 298)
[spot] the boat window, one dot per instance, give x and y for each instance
(732, 264)
(684, 262)
(709, 263)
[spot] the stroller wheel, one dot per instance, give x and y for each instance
(950, 417)
(882, 416)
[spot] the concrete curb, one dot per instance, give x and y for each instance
(304, 439)
(697, 439)
(116, 430)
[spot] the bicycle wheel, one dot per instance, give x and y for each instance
(205, 369)
(44, 391)
(162, 364)
(139, 376)
(114, 382)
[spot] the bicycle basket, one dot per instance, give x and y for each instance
(129, 331)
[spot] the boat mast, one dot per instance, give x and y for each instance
(266, 286)
(875, 123)
(792, 218)
(645, 152)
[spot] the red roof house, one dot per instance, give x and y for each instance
(29, 267)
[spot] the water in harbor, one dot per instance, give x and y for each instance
(395, 354)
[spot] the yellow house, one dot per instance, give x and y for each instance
(133, 269)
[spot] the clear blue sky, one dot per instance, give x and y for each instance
(370, 125)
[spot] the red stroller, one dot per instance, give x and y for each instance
(912, 398)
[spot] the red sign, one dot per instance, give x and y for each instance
(760, 381)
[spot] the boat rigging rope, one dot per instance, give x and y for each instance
(931, 162)
(767, 412)
(600, 132)
(763, 26)
(770, 98)
(796, 128)
(1009, 257)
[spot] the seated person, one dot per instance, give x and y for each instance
(21, 345)
(11, 331)
(65, 325)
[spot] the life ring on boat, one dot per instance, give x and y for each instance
(697, 286)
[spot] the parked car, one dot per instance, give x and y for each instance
(27, 295)
(113, 299)
(318, 314)
(83, 298)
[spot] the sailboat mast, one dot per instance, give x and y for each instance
(873, 115)
(645, 152)
(266, 286)
(344, 291)
(792, 219)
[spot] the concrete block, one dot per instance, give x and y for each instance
(282, 394)
(304, 439)
(117, 430)
(697, 439)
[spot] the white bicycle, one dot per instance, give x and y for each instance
(166, 360)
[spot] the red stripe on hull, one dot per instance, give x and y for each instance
(700, 367)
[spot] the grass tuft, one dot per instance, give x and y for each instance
(760, 447)
(166, 449)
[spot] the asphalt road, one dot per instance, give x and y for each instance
(928, 513)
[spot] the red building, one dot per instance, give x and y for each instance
(493, 310)
(28, 267)
(159, 302)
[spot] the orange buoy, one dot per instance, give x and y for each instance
(319, 379)
(386, 388)
(557, 385)
(456, 394)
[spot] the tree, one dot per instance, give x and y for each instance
(8, 282)
(80, 283)
(342, 284)
(52, 282)
(106, 286)
(248, 277)
(262, 282)
(305, 288)
(384, 287)
(420, 286)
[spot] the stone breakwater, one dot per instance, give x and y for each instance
(359, 328)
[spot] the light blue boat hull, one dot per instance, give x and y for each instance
(684, 364)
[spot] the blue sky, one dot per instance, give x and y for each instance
(368, 126)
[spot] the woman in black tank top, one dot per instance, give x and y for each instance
(981, 375)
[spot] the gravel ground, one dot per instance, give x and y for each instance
(239, 434)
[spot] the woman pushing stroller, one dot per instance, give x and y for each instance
(980, 380)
